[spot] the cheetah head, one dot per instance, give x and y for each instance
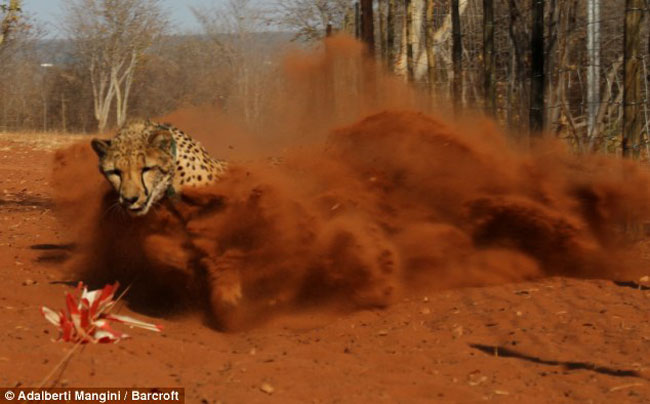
(139, 164)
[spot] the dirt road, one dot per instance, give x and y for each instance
(555, 340)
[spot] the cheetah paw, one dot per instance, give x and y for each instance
(228, 294)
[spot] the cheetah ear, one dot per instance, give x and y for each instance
(100, 146)
(161, 139)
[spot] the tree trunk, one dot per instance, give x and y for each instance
(593, 69)
(417, 31)
(510, 91)
(410, 69)
(537, 69)
(430, 45)
(382, 8)
(632, 89)
(518, 34)
(390, 34)
(103, 94)
(64, 124)
(441, 37)
(607, 102)
(553, 75)
(349, 22)
(563, 115)
(10, 19)
(489, 60)
(457, 55)
(122, 88)
(368, 26)
(357, 20)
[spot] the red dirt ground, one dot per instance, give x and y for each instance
(549, 341)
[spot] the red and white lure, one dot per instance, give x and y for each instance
(87, 318)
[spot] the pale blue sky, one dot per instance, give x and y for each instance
(48, 12)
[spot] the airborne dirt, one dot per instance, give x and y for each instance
(395, 204)
(391, 255)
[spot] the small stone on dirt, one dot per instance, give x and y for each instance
(28, 282)
(267, 388)
(477, 380)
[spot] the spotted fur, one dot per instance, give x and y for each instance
(146, 161)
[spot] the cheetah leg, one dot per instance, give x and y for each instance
(167, 253)
(226, 292)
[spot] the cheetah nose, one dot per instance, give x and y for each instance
(129, 201)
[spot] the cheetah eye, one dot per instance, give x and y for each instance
(145, 169)
(114, 172)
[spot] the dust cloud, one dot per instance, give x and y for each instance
(376, 197)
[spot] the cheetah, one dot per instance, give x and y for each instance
(224, 252)
(147, 161)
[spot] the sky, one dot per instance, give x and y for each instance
(48, 13)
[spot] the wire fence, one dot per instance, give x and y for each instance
(567, 64)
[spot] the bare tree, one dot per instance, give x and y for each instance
(489, 59)
(9, 17)
(409, 39)
(593, 69)
(367, 25)
(111, 37)
(310, 18)
(519, 35)
(440, 41)
(382, 8)
(537, 68)
(429, 43)
(391, 28)
(357, 20)
(457, 54)
(243, 54)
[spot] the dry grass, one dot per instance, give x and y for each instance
(39, 140)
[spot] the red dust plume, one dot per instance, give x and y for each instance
(394, 203)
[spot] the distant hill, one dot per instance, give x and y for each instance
(60, 51)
